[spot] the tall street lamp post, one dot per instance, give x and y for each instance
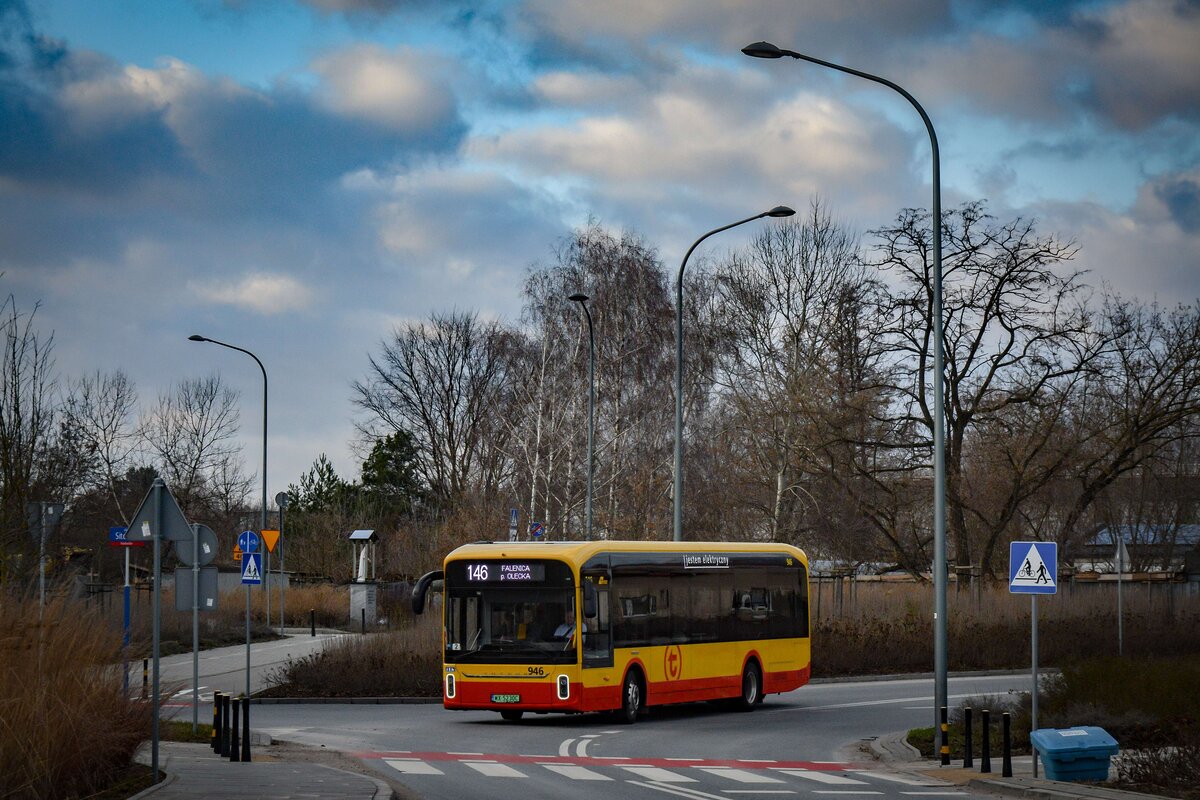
(582, 300)
(777, 211)
(195, 337)
(768, 50)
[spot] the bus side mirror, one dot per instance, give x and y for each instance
(418, 596)
(589, 599)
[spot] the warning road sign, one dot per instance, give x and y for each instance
(1033, 567)
(252, 568)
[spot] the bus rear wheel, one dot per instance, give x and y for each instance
(631, 698)
(751, 687)
(512, 715)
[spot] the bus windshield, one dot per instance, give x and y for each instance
(494, 618)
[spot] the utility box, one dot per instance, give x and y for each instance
(1075, 754)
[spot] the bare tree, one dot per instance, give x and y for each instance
(1139, 402)
(101, 408)
(27, 418)
(446, 383)
(1014, 325)
(191, 434)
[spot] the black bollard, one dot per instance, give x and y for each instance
(145, 677)
(945, 737)
(246, 730)
(985, 758)
(216, 736)
(364, 621)
(1006, 770)
(312, 621)
(968, 759)
(225, 706)
(235, 747)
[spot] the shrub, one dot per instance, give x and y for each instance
(404, 663)
(68, 728)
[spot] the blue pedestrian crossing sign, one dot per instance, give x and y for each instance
(1033, 567)
(251, 568)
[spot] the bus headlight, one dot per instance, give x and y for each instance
(450, 686)
(564, 687)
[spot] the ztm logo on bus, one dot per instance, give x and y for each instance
(673, 662)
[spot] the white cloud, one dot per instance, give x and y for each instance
(264, 293)
(393, 89)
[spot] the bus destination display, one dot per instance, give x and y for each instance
(506, 572)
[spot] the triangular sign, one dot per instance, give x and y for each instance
(1033, 570)
(250, 569)
(270, 538)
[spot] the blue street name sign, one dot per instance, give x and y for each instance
(248, 542)
(252, 568)
(1033, 567)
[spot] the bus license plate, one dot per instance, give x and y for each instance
(506, 698)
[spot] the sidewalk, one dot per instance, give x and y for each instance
(900, 755)
(195, 772)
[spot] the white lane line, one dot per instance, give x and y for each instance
(821, 777)
(412, 767)
(936, 794)
(493, 769)
(581, 750)
(860, 703)
(576, 773)
(739, 775)
(564, 749)
(844, 791)
(904, 779)
(759, 791)
(659, 775)
(681, 791)
(463, 754)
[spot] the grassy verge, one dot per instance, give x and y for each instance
(403, 663)
(67, 727)
(1149, 705)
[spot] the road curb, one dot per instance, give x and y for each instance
(378, 701)
(1055, 790)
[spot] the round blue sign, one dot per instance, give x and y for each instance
(248, 542)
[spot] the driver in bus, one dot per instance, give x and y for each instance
(567, 628)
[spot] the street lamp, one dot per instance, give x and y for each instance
(777, 211)
(768, 50)
(195, 337)
(582, 300)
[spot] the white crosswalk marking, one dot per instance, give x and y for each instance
(495, 769)
(821, 777)
(576, 773)
(904, 779)
(740, 775)
(659, 774)
(412, 767)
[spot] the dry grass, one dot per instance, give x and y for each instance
(403, 663)
(67, 727)
(888, 627)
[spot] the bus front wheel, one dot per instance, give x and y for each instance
(512, 715)
(751, 687)
(631, 698)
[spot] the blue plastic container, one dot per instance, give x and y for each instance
(1075, 754)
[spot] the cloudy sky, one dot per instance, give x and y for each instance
(298, 177)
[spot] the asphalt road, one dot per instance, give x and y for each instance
(807, 742)
(810, 742)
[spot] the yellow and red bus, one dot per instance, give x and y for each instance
(619, 626)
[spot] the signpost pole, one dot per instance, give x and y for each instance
(195, 627)
(125, 637)
(267, 576)
(157, 535)
(1120, 584)
(1033, 646)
